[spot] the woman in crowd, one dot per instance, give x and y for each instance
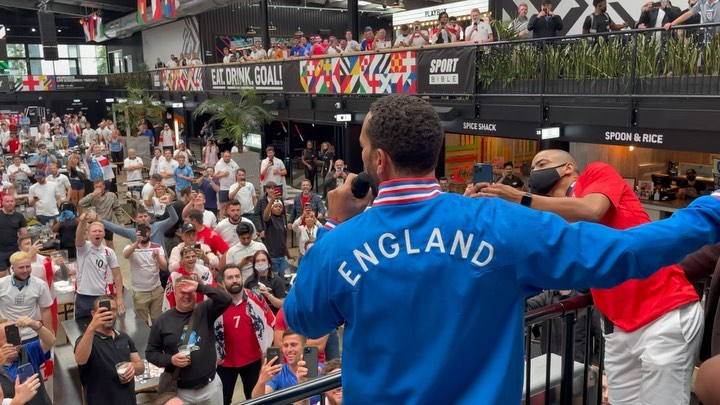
(19, 174)
(381, 41)
(210, 153)
(265, 282)
(77, 173)
(305, 227)
(161, 197)
(116, 148)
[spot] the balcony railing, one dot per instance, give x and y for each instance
(650, 62)
(567, 310)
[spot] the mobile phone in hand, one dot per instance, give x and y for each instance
(273, 352)
(482, 173)
(105, 304)
(12, 335)
(25, 372)
(310, 356)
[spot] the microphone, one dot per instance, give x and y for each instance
(360, 185)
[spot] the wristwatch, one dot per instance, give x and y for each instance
(526, 199)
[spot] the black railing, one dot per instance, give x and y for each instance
(566, 309)
(682, 61)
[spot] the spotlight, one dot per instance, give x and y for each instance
(33, 29)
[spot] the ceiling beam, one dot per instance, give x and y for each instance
(100, 5)
(63, 9)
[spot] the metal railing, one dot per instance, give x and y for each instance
(566, 309)
(682, 61)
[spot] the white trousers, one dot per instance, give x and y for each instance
(210, 394)
(654, 364)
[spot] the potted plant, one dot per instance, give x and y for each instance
(234, 117)
(136, 107)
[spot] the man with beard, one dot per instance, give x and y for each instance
(244, 333)
(107, 358)
(352, 268)
(12, 225)
(599, 21)
(197, 382)
(241, 254)
(227, 228)
(146, 260)
(22, 294)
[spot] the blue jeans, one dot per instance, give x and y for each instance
(279, 265)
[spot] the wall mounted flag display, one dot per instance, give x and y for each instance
(142, 12)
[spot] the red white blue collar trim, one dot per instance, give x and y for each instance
(404, 191)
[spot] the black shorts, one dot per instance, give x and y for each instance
(223, 196)
(108, 235)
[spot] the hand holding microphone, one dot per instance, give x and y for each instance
(351, 198)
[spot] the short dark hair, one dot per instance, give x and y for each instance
(140, 210)
(156, 177)
(596, 2)
(233, 202)
(443, 178)
(288, 332)
(243, 228)
(332, 365)
(443, 14)
(228, 267)
(508, 164)
(269, 147)
(196, 215)
(96, 181)
(185, 192)
(408, 129)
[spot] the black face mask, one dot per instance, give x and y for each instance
(542, 181)
(604, 9)
(691, 177)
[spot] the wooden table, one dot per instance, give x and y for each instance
(128, 323)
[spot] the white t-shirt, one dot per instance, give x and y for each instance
(482, 34)
(144, 270)
(230, 167)
(158, 207)
(417, 39)
(47, 205)
(168, 138)
(245, 196)
(226, 58)
(228, 231)
(209, 219)
(134, 175)
(62, 182)
(269, 174)
(20, 171)
(154, 165)
(94, 269)
(239, 251)
(353, 46)
(88, 135)
(15, 303)
(145, 195)
(165, 167)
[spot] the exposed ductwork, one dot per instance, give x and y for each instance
(126, 26)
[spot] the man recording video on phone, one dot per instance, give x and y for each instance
(599, 21)
(657, 14)
(545, 24)
(418, 36)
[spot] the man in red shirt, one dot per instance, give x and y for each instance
(652, 327)
(206, 234)
(247, 332)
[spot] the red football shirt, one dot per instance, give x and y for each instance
(634, 303)
(211, 238)
(241, 344)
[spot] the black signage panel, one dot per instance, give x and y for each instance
(446, 71)
(500, 129)
(696, 141)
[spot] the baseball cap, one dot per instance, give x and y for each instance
(368, 28)
(270, 184)
(40, 173)
(187, 228)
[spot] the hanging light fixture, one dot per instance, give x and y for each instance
(299, 33)
(397, 4)
(272, 27)
(251, 31)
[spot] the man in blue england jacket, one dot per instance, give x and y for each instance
(417, 291)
